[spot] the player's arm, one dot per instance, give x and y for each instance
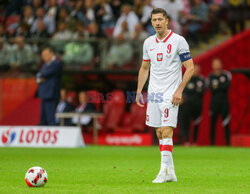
(142, 78)
(189, 65)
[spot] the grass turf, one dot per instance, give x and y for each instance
(126, 170)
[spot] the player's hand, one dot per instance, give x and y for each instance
(177, 98)
(139, 99)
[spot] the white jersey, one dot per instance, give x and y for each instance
(166, 57)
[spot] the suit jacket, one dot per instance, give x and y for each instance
(89, 107)
(50, 88)
(64, 107)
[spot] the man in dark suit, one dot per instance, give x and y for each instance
(64, 106)
(83, 107)
(49, 79)
(219, 83)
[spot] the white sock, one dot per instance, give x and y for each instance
(166, 156)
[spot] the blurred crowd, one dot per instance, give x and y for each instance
(122, 20)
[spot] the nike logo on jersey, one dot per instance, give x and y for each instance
(151, 49)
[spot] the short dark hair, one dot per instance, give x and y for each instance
(159, 10)
(49, 48)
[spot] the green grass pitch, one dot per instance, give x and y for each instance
(98, 169)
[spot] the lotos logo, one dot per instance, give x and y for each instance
(8, 136)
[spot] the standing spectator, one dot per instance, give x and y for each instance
(83, 107)
(79, 14)
(129, 16)
(175, 10)
(40, 32)
(52, 9)
(146, 17)
(88, 8)
(104, 15)
(48, 21)
(191, 109)
(196, 19)
(138, 7)
(63, 107)
(28, 17)
(5, 51)
(64, 16)
(22, 53)
(116, 8)
(49, 79)
(219, 82)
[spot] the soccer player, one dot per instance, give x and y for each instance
(191, 107)
(219, 82)
(164, 53)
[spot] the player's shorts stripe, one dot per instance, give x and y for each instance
(167, 148)
(146, 59)
(185, 56)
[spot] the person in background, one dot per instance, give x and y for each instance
(28, 17)
(22, 53)
(41, 32)
(49, 80)
(63, 107)
(63, 33)
(196, 19)
(128, 16)
(191, 108)
(146, 17)
(48, 21)
(219, 83)
(63, 15)
(104, 15)
(83, 107)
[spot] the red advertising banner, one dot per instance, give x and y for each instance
(135, 139)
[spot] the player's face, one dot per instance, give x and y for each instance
(216, 65)
(159, 23)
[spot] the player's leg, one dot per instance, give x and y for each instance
(153, 119)
(159, 136)
(214, 107)
(226, 118)
(197, 108)
(169, 122)
(50, 111)
(43, 120)
(166, 153)
(184, 121)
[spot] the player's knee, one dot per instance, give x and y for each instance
(158, 133)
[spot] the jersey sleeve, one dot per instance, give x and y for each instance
(145, 52)
(183, 50)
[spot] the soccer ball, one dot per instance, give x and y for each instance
(36, 177)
